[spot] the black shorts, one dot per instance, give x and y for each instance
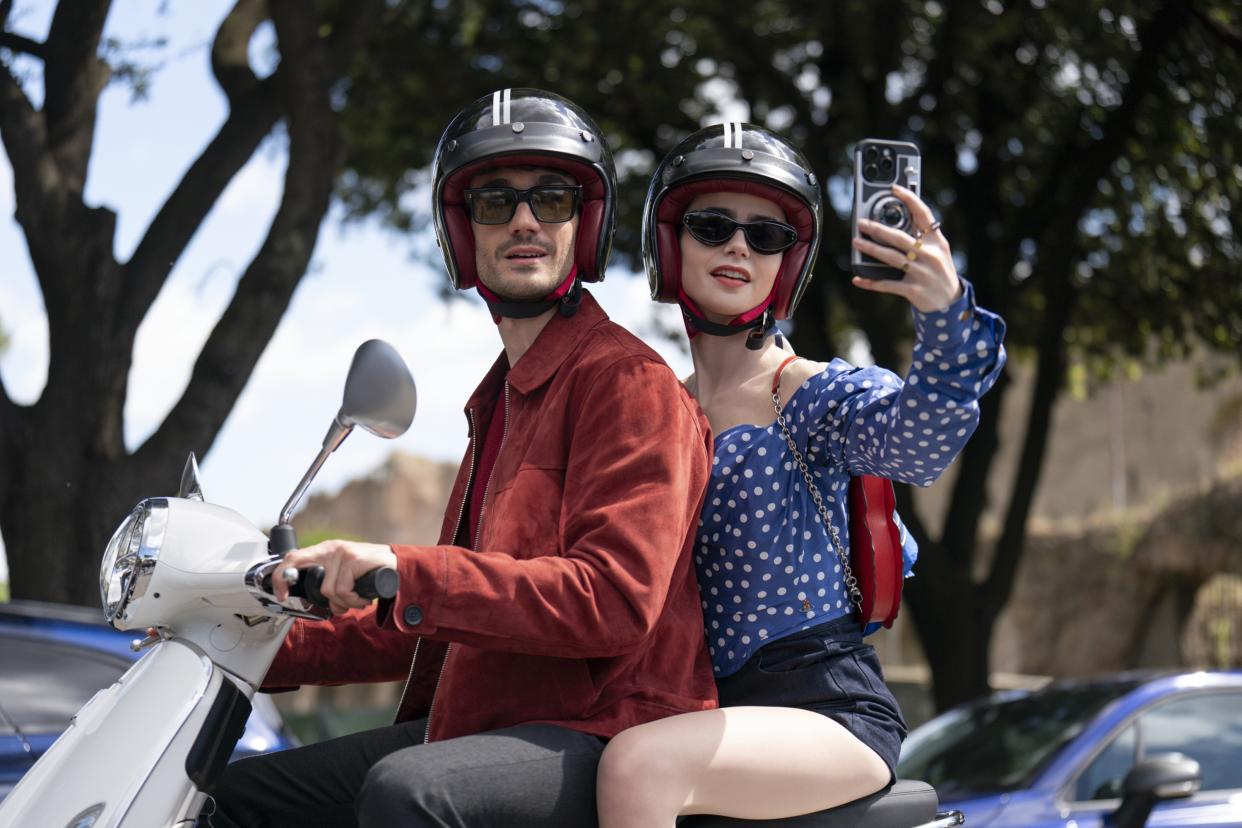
(829, 670)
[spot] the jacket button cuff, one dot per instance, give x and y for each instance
(413, 616)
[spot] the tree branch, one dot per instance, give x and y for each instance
(941, 67)
(19, 43)
(8, 408)
(37, 183)
(315, 152)
(982, 205)
(25, 141)
(884, 52)
(255, 109)
(907, 508)
(1077, 169)
(968, 499)
(1226, 34)
(1049, 375)
(230, 52)
(1091, 164)
(74, 76)
(996, 290)
(251, 118)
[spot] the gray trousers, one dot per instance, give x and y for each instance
(529, 775)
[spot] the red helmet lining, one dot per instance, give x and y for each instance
(668, 234)
(460, 228)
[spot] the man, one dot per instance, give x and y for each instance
(561, 606)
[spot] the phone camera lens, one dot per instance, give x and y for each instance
(871, 171)
(870, 154)
(886, 164)
(891, 213)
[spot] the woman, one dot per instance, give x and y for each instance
(731, 229)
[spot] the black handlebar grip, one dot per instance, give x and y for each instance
(310, 580)
(380, 582)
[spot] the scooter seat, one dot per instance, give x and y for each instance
(904, 804)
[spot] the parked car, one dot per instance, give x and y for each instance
(1060, 755)
(53, 659)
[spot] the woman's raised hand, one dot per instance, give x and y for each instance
(931, 282)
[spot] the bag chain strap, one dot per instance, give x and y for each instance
(851, 583)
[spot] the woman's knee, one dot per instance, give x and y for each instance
(633, 763)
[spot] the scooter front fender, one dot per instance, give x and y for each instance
(123, 759)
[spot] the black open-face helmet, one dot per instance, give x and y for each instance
(523, 127)
(732, 157)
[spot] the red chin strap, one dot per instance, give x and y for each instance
(756, 322)
(567, 295)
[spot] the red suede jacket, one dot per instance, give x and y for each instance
(579, 607)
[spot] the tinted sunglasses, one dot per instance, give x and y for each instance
(550, 203)
(763, 236)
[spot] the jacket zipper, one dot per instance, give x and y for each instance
(474, 453)
(504, 432)
(478, 532)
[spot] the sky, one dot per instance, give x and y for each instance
(363, 283)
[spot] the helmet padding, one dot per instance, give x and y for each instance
(460, 229)
(672, 207)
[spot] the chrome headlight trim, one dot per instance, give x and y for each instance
(131, 555)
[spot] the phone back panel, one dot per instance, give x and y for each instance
(873, 195)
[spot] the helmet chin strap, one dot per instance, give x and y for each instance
(757, 323)
(567, 298)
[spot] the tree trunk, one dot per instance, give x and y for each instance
(66, 479)
(61, 507)
(955, 637)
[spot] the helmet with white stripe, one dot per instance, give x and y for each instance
(732, 157)
(523, 127)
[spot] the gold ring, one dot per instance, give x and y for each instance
(905, 266)
(913, 252)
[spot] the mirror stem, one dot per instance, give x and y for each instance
(336, 435)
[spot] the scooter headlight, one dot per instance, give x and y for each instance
(130, 556)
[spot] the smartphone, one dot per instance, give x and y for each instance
(878, 165)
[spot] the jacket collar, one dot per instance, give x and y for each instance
(551, 348)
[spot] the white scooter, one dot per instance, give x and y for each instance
(142, 752)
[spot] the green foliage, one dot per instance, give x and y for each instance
(1083, 158)
(329, 721)
(311, 537)
(1044, 136)
(4, 338)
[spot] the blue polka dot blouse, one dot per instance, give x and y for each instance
(766, 565)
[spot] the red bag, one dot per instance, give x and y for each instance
(874, 569)
(875, 549)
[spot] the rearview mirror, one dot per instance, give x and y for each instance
(379, 397)
(379, 391)
(1156, 779)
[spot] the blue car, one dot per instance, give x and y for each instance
(53, 659)
(1064, 755)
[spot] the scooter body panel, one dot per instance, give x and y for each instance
(123, 757)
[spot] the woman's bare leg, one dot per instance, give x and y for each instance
(744, 762)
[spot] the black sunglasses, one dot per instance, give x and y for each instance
(551, 203)
(763, 236)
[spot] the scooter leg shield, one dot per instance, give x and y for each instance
(123, 758)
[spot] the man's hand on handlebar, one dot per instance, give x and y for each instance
(343, 563)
